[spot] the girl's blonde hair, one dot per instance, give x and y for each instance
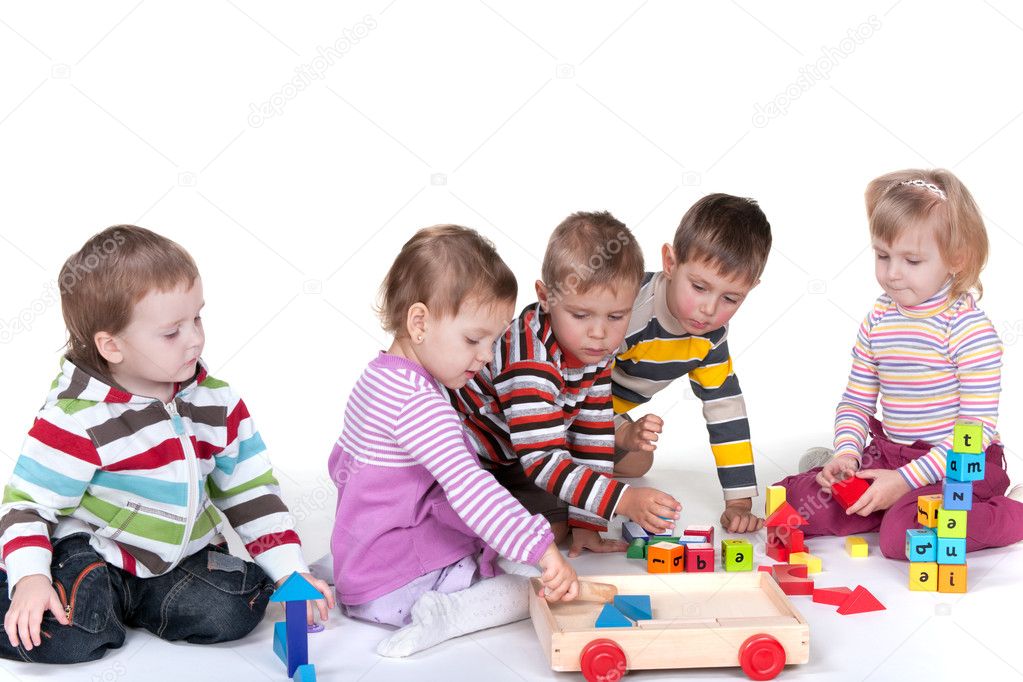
(906, 198)
(443, 266)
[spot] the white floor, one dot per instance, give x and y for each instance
(919, 636)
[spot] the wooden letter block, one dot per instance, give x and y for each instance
(775, 496)
(665, 557)
(737, 555)
(951, 523)
(637, 549)
(952, 578)
(856, 547)
(961, 466)
(957, 495)
(921, 545)
(927, 510)
(951, 550)
(706, 532)
(812, 563)
(700, 558)
(923, 577)
(968, 436)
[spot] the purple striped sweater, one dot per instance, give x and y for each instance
(412, 497)
(930, 364)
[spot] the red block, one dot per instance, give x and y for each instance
(790, 538)
(792, 579)
(849, 490)
(785, 515)
(831, 595)
(777, 552)
(860, 601)
(766, 569)
(700, 558)
(704, 531)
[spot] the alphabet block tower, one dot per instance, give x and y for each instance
(937, 551)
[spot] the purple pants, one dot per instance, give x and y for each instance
(994, 521)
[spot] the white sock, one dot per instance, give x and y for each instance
(438, 617)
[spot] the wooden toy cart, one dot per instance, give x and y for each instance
(699, 620)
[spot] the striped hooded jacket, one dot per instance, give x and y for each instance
(150, 483)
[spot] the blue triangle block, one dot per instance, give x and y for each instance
(305, 673)
(281, 641)
(635, 606)
(296, 588)
(610, 617)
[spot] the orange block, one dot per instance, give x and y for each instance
(665, 557)
(951, 577)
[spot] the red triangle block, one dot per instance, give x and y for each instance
(847, 492)
(860, 601)
(785, 515)
(834, 596)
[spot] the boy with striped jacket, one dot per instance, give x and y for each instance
(679, 328)
(129, 470)
(540, 413)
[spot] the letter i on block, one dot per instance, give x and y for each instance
(952, 578)
(923, 576)
(927, 510)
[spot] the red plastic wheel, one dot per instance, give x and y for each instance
(762, 657)
(602, 660)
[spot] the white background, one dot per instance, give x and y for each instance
(505, 117)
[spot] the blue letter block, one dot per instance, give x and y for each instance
(951, 550)
(957, 495)
(961, 466)
(921, 545)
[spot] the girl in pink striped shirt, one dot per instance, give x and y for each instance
(932, 357)
(419, 525)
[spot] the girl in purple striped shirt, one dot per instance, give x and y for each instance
(419, 525)
(932, 356)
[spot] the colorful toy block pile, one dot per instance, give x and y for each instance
(692, 552)
(937, 551)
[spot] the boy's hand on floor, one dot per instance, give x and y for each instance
(641, 434)
(33, 596)
(738, 517)
(583, 538)
(650, 508)
(838, 469)
(322, 606)
(887, 488)
(560, 582)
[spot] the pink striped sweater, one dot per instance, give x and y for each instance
(930, 364)
(412, 497)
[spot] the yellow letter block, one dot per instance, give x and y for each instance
(856, 547)
(923, 576)
(952, 578)
(927, 510)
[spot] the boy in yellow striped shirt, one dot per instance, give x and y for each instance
(679, 327)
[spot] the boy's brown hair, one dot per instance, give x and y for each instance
(101, 283)
(588, 250)
(443, 266)
(731, 232)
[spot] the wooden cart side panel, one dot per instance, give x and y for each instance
(543, 619)
(780, 599)
(709, 647)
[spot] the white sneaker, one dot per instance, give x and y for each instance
(1016, 493)
(815, 457)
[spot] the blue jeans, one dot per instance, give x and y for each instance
(209, 597)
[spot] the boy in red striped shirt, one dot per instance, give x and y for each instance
(540, 414)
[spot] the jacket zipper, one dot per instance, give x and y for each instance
(193, 476)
